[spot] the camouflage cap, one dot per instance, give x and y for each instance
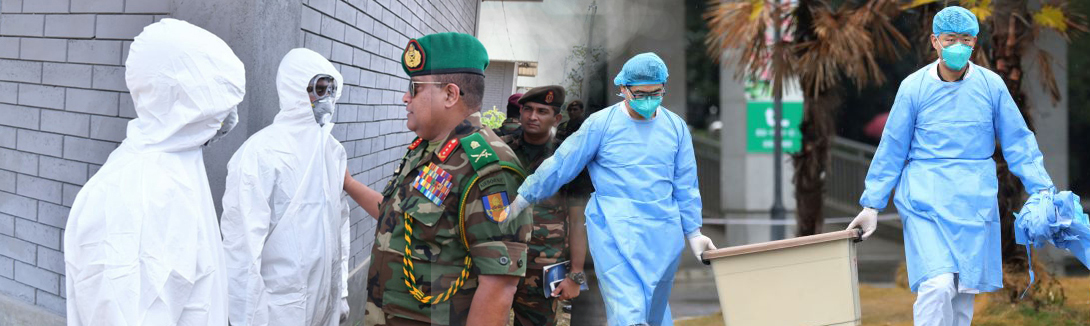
(444, 53)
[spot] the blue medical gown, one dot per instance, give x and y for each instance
(936, 149)
(646, 200)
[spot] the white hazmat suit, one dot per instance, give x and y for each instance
(142, 246)
(285, 220)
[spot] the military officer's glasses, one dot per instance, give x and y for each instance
(412, 87)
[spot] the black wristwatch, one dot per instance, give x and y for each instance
(579, 278)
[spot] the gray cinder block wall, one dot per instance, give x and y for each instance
(64, 104)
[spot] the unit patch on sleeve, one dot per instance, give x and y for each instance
(494, 205)
(434, 183)
(488, 183)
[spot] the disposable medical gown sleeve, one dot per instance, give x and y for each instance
(569, 159)
(686, 186)
(1019, 145)
(247, 214)
(889, 159)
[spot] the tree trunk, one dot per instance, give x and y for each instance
(818, 128)
(1010, 37)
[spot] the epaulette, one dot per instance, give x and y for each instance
(479, 151)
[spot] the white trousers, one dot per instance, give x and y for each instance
(939, 302)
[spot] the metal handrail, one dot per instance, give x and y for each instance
(846, 176)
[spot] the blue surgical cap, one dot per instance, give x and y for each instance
(955, 20)
(642, 69)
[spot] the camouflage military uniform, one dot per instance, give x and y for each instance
(549, 239)
(438, 251)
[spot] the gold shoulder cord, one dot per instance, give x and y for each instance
(407, 261)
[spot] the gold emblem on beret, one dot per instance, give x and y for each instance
(414, 56)
(549, 97)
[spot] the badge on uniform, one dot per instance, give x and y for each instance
(414, 56)
(434, 183)
(494, 205)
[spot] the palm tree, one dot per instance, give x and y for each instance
(831, 47)
(827, 44)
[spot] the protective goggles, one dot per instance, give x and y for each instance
(322, 86)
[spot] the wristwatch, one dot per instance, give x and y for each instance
(579, 278)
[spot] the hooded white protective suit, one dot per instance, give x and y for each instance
(142, 246)
(285, 220)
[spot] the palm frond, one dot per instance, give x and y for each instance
(917, 3)
(1056, 16)
(1048, 77)
(981, 8)
(738, 27)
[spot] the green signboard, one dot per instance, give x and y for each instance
(760, 134)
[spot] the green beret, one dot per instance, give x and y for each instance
(549, 95)
(444, 53)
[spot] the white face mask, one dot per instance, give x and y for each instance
(225, 127)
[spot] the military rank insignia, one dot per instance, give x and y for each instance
(447, 149)
(494, 205)
(416, 143)
(434, 183)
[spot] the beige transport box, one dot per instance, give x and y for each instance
(793, 282)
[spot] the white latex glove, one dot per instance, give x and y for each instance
(515, 208)
(866, 220)
(700, 243)
(344, 310)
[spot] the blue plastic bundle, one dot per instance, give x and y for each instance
(1055, 219)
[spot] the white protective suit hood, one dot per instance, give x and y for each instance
(141, 242)
(295, 72)
(285, 219)
(183, 86)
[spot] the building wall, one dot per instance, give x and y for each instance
(64, 104)
(499, 84)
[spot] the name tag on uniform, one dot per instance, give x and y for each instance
(434, 183)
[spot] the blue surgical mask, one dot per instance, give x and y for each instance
(956, 56)
(646, 106)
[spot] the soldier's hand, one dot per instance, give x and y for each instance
(567, 290)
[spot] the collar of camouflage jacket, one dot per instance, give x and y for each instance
(471, 124)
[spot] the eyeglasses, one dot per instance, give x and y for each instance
(412, 87)
(642, 95)
(948, 39)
